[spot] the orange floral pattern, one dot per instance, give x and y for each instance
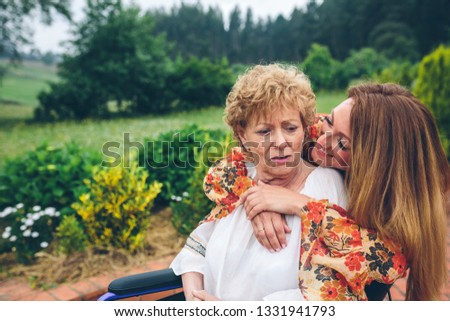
(337, 257)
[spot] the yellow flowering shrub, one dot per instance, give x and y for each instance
(116, 210)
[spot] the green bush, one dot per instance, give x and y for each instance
(320, 67)
(403, 73)
(192, 205)
(433, 88)
(116, 210)
(47, 176)
(170, 158)
(28, 229)
(361, 64)
(199, 83)
(70, 236)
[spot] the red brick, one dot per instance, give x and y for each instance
(102, 281)
(157, 265)
(87, 289)
(65, 293)
(20, 290)
(39, 296)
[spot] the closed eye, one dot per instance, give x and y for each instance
(328, 120)
(263, 132)
(291, 128)
(341, 144)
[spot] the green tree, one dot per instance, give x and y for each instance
(320, 66)
(433, 88)
(117, 61)
(14, 31)
(396, 40)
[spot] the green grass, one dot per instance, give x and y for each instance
(326, 101)
(18, 136)
(22, 84)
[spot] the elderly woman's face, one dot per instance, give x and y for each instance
(275, 142)
(333, 146)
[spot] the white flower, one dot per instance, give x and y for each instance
(44, 245)
(49, 211)
(36, 208)
(20, 205)
(173, 197)
(23, 227)
(36, 216)
(6, 212)
(178, 199)
(6, 235)
(8, 229)
(34, 234)
(185, 194)
(57, 214)
(29, 222)
(27, 233)
(13, 238)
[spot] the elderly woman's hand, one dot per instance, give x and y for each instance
(202, 295)
(270, 229)
(269, 198)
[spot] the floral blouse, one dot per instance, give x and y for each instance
(337, 257)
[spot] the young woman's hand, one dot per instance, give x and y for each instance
(270, 230)
(269, 198)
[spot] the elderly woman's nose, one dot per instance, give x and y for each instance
(278, 138)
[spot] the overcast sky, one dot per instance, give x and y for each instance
(49, 38)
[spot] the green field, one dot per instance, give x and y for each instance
(18, 136)
(22, 84)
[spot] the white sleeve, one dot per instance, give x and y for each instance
(192, 257)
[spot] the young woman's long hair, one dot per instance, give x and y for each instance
(398, 178)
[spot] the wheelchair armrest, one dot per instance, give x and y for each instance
(143, 283)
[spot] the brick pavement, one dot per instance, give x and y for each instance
(91, 288)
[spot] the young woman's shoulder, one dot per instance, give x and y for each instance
(327, 183)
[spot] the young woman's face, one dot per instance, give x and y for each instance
(333, 146)
(275, 143)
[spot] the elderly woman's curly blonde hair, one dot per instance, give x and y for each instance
(264, 90)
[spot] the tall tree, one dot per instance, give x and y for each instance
(234, 35)
(120, 62)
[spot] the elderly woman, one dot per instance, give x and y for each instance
(268, 109)
(387, 144)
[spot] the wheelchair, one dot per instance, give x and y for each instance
(164, 285)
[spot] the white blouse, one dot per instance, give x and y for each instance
(236, 267)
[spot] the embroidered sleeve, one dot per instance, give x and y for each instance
(334, 265)
(342, 258)
(386, 261)
(225, 182)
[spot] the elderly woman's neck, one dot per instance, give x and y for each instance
(294, 180)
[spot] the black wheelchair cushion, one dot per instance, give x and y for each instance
(147, 282)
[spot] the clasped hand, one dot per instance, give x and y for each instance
(266, 207)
